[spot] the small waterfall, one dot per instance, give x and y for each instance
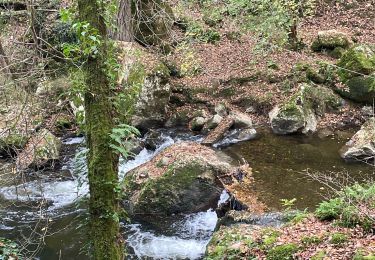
(192, 235)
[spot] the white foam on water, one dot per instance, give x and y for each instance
(144, 156)
(59, 193)
(224, 197)
(64, 193)
(194, 235)
(74, 140)
(199, 225)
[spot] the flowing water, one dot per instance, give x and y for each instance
(279, 166)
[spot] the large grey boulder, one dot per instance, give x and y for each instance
(147, 78)
(41, 149)
(298, 114)
(184, 178)
(361, 147)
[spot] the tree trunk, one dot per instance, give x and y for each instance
(293, 36)
(102, 160)
(4, 63)
(31, 13)
(124, 26)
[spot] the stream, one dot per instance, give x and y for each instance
(279, 166)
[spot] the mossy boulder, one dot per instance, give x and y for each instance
(146, 79)
(292, 116)
(359, 59)
(152, 21)
(41, 150)
(298, 113)
(361, 146)
(330, 39)
(322, 99)
(11, 143)
(184, 178)
(198, 123)
(358, 73)
(53, 87)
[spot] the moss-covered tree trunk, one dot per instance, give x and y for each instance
(102, 161)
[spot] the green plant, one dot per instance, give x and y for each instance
(296, 216)
(282, 252)
(120, 135)
(288, 204)
(272, 65)
(9, 249)
(320, 255)
(197, 31)
(190, 64)
(269, 237)
(311, 240)
(212, 16)
(329, 210)
(339, 238)
(361, 255)
(351, 206)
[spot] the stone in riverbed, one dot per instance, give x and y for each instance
(361, 147)
(221, 110)
(214, 121)
(298, 113)
(144, 73)
(241, 120)
(292, 117)
(247, 134)
(184, 178)
(198, 123)
(218, 133)
(40, 150)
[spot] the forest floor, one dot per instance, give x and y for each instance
(235, 71)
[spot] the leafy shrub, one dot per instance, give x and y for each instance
(297, 216)
(8, 249)
(339, 238)
(190, 64)
(329, 210)
(351, 207)
(196, 31)
(269, 238)
(212, 16)
(282, 252)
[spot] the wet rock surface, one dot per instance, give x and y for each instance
(361, 147)
(184, 178)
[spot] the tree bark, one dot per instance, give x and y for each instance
(34, 33)
(102, 160)
(124, 26)
(293, 36)
(4, 62)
